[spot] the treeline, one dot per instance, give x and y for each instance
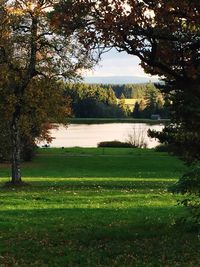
(109, 101)
(129, 90)
(93, 101)
(153, 104)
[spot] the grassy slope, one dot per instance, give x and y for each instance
(95, 207)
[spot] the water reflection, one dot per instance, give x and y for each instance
(89, 135)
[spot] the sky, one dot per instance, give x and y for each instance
(116, 63)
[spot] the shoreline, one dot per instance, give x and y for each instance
(116, 120)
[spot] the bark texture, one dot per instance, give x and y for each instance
(16, 151)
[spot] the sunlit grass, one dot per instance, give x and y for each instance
(112, 210)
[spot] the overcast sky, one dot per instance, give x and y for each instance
(114, 63)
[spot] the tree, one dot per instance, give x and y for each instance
(92, 101)
(160, 103)
(122, 105)
(151, 96)
(142, 106)
(43, 105)
(111, 98)
(164, 34)
(136, 110)
(33, 55)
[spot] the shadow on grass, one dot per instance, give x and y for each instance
(95, 184)
(61, 167)
(92, 223)
(97, 237)
(148, 234)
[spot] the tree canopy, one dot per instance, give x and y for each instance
(93, 101)
(165, 35)
(33, 56)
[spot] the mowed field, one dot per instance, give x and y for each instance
(95, 207)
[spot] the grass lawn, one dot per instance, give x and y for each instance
(95, 207)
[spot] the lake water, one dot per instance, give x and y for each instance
(89, 135)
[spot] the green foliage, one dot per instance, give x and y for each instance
(122, 105)
(136, 110)
(167, 42)
(129, 90)
(189, 183)
(93, 101)
(152, 102)
(189, 186)
(183, 139)
(37, 113)
(162, 148)
(100, 101)
(33, 56)
(155, 102)
(114, 144)
(28, 149)
(151, 96)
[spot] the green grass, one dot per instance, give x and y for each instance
(95, 207)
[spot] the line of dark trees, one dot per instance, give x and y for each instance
(94, 101)
(108, 101)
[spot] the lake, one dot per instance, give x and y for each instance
(89, 135)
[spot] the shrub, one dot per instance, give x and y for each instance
(114, 143)
(162, 148)
(189, 186)
(137, 137)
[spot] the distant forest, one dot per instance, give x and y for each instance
(129, 90)
(117, 101)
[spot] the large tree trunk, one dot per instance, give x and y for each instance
(16, 151)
